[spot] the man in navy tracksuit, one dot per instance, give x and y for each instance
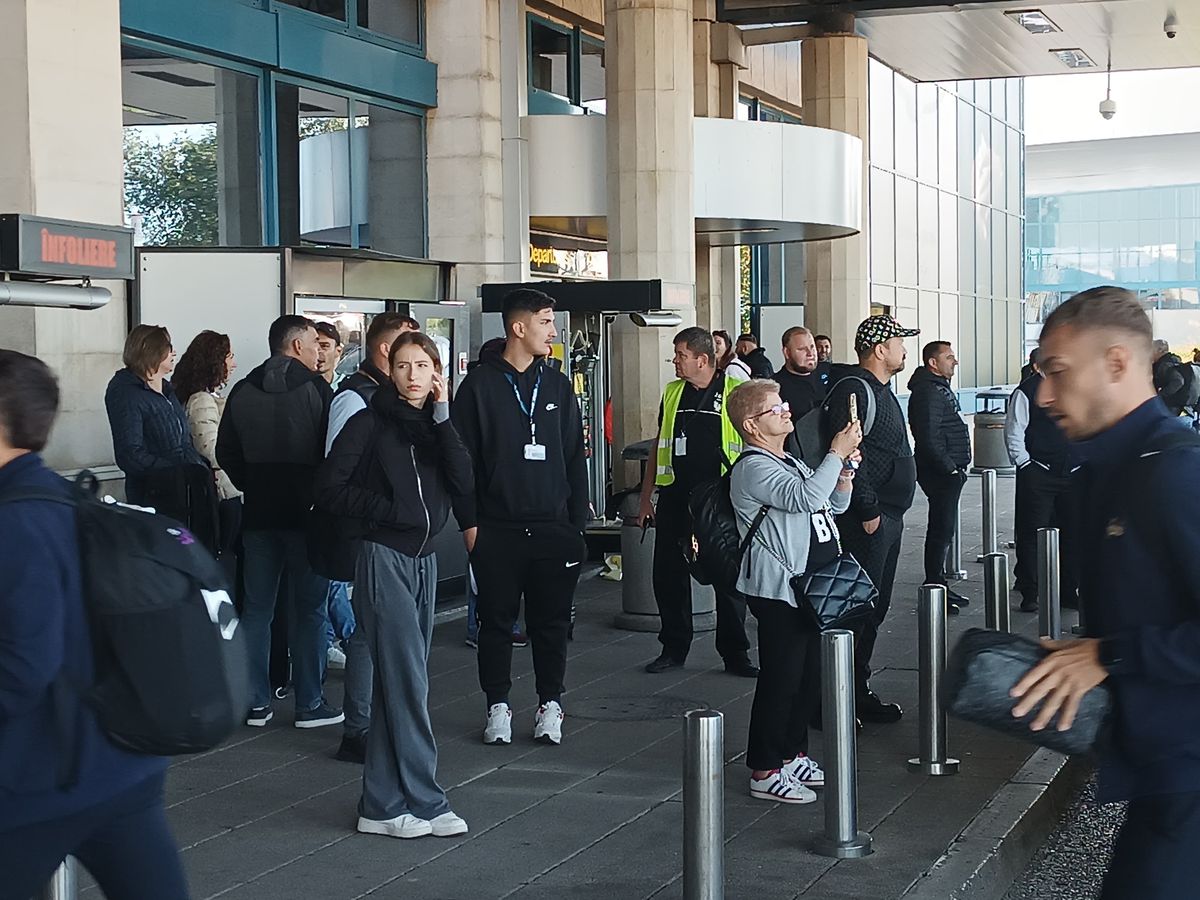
(61, 792)
(1139, 546)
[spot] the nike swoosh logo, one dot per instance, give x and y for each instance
(571, 565)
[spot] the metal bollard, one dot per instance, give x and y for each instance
(954, 568)
(931, 612)
(841, 839)
(63, 885)
(703, 805)
(1049, 608)
(995, 592)
(989, 513)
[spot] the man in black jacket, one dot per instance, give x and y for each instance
(943, 452)
(524, 527)
(1139, 489)
(270, 443)
(802, 381)
(754, 356)
(883, 488)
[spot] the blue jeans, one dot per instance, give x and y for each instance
(268, 555)
(339, 616)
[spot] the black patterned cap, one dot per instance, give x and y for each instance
(878, 329)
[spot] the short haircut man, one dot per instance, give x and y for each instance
(748, 337)
(29, 398)
(524, 302)
(698, 342)
(792, 332)
(385, 326)
(931, 350)
(286, 329)
(329, 331)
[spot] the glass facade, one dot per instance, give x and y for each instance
(1143, 239)
(946, 217)
(566, 69)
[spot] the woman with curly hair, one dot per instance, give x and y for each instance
(205, 368)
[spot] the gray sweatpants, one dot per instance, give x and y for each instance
(393, 604)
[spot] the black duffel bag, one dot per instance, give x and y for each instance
(986, 665)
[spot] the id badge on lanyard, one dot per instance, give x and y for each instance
(534, 452)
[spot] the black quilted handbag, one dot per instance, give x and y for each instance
(838, 594)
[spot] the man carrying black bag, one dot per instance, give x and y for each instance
(1139, 486)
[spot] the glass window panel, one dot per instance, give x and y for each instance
(395, 181)
(983, 94)
(1014, 259)
(983, 157)
(1089, 207)
(999, 163)
(947, 242)
(1187, 234)
(1013, 170)
(1168, 199)
(927, 132)
(1148, 204)
(192, 150)
(983, 251)
(1129, 205)
(998, 98)
(966, 247)
(966, 90)
(948, 321)
(549, 59)
(314, 166)
(1017, 354)
(1129, 235)
(1187, 265)
(1150, 235)
(999, 241)
(591, 76)
(928, 320)
(1068, 208)
(882, 136)
(1186, 198)
(1015, 111)
(395, 18)
(1000, 342)
(883, 299)
(906, 300)
(968, 343)
(906, 126)
(927, 236)
(883, 226)
(966, 150)
(906, 231)
(335, 9)
(947, 141)
(1110, 206)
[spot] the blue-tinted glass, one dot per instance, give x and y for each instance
(1110, 205)
(1186, 197)
(1150, 233)
(1168, 199)
(1109, 235)
(1089, 207)
(1187, 265)
(1187, 234)
(1148, 204)
(1069, 208)
(1129, 205)
(1033, 209)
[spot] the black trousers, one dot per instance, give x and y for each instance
(943, 492)
(1154, 857)
(789, 684)
(878, 554)
(673, 589)
(542, 564)
(1044, 501)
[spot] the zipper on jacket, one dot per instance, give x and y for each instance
(421, 495)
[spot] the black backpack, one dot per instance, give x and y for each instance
(717, 549)
(170, 659)
(812, 433)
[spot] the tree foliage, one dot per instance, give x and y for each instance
(173, 184)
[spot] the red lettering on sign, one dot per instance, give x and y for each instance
(75, 251)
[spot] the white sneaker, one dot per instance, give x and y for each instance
(448, 825)
(781, 787)
(335, 658)
(805, 770)
(499, 725)
(547, 724)
(405, 826)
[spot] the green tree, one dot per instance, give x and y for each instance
(173, 184)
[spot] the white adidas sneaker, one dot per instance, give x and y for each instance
(781, 787)
(806, 771)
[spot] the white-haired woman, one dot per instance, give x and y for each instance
(797, 533)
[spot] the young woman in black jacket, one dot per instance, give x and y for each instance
(395, 469)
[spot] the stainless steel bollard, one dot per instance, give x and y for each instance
(995, 592)
(703, 805)
(841, 839)
(63, 884)
(988, 480)
(954, 566)
(931, 612)
(1049, 608)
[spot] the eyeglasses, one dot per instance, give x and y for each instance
(776, 410)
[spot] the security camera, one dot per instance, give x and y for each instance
(1171, 26)
(1108, 108)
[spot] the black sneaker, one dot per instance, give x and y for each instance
(742, 668)
(662, 664)
(353, 748)
(957, 599)
(322, 715)
(871, 709)
(1028, 604)
(259, 716)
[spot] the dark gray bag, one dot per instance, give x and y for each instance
(984, 667)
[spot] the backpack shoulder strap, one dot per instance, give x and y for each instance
(866, 416)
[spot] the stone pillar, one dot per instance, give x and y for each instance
(464, 145)
(649, 88)
(62, 157)
(514, 104)
(833, 85)
(238, 198)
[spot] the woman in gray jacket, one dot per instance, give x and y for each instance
(797, 533)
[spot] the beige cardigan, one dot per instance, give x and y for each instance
(204, 411)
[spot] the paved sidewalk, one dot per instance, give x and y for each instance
(271, 814)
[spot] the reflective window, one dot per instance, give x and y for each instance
(927, 132)
(927, 236)
(335, 9)
(947, 141)
(883, 226)
(395, 18)
(549, 59)
(881, 103)
(394, 193)
(314, 159)
(906, 232)
(906, 126)
(192, 150)
(591, 75)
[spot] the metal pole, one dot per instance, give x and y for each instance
(841, 839)
(995, 592)
(989, 513)
(1049, 610)
(954, 566)
(931, 615)
(703, 805)
(63, 884)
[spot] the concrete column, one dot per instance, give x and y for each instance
(833, 85)
(238, 152)
(60, 67)
(649, 87)
(464, 145)
(514, 104)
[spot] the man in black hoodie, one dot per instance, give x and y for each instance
(943, 452)
(524, 527)
(270, 443)
(883, 488)
(754, 356)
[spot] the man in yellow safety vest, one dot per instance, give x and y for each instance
(696, 442)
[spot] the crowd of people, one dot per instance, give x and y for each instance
(386, 460)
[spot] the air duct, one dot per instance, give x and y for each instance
(61, 296)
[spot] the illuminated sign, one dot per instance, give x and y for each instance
(32, 245)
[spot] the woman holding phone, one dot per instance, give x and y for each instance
(395, 469)
(797, 534)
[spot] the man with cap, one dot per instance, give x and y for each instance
(883, 488)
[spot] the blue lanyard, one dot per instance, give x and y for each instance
(532, 408)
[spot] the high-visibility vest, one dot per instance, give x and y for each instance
(731, 441)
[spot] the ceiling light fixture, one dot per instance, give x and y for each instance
(1074, 58)
(1033, 20)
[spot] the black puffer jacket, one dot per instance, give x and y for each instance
(414, 466)
(943, 444)
(756, 360)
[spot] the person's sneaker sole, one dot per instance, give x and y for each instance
(497, 741)
(410, 829)
(795, 801)
(321, 723)
(260, 721)
(548, 739)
